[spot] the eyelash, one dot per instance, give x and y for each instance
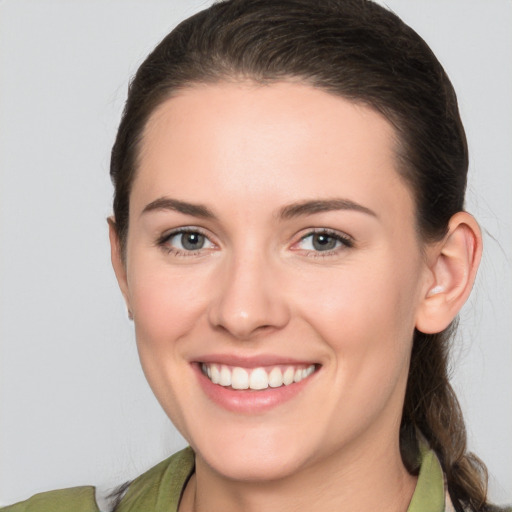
(346, 242)
(163, 242)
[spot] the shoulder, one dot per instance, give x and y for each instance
(160, 488)
(77, 499)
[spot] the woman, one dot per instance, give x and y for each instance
(290, 240)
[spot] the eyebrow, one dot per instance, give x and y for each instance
(288, 212)
(320, 206)
(167, 203)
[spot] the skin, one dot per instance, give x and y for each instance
(258, 286)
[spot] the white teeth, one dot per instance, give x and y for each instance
(257, 379)
(288, 375)
(215, 374)
(225, 376)
(275, 379)
(239, 378)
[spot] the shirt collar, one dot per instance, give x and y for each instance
(430, 494)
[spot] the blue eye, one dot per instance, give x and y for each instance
(186, 241)
(323, 241)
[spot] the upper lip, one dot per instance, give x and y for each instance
(251, 361)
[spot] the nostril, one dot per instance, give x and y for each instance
(243, 334)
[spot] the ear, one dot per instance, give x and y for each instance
(453, 264)
(118, 262)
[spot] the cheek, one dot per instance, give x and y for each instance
(365, 313)
(166, 301)
(167, 304)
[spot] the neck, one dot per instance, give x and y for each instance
(371, 477)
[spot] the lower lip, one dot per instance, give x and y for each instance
(250, 401)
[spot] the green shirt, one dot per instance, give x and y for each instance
(160, 488)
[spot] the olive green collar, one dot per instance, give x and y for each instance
(161, 487)
(429, 495)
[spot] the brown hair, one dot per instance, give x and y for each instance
(363, 52)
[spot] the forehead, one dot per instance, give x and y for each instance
(282, 141)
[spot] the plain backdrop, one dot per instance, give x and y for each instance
(75, 408)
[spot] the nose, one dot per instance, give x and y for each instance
(250, 299)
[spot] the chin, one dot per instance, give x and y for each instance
(254, 466)
(253, 455)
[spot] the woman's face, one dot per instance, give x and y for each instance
(270, 237)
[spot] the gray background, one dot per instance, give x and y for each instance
(75, 408)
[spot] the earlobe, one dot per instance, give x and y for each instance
(118, 263)
(453, 264)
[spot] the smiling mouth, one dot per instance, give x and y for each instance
(257, 379)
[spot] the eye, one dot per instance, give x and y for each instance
(324, 241)
(185, 241)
